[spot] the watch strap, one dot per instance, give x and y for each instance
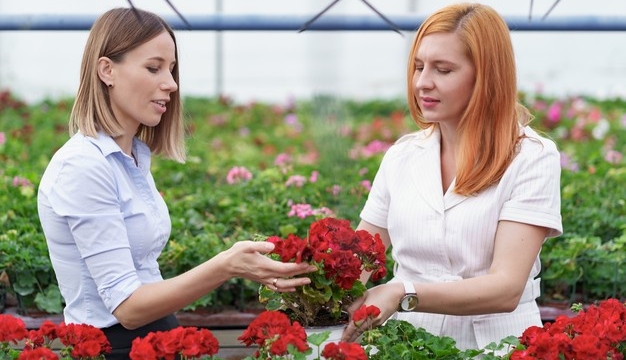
(409, 288)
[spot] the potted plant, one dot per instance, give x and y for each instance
(340, 255)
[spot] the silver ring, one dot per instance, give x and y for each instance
(274, 282)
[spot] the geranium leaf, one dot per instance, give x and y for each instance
(319, 338)
(50, 300)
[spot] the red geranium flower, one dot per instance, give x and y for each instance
(344, 351)
(11, 329)
(41, 353)
(364, 312)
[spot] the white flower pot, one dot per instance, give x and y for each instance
(335, 336)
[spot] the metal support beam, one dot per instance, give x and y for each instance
(293, 23)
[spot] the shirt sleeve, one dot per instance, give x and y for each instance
(376, 207)
(85, 194)
(535, 197)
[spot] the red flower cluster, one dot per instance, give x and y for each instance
(344, 351)
(594, 334)
(272, 331)
(186, 341)
(364, 312)
(85, 340)
(343, 251)
(38, 354)
(81, 341)
(11, 329)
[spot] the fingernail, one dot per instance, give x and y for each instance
(312, 268)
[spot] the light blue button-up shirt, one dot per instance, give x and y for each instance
(105, 224)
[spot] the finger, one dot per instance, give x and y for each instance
(348, 333)
(262, 247)
(356, 305)
(292, 283)
(281, 269)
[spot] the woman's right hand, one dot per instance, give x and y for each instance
(246, 259)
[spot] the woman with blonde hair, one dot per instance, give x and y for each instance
(104, 220)
(468, 200)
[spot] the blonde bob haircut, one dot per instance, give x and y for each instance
(114, 34)
(489, 129)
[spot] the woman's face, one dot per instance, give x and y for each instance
(142, 83)
(444, 78)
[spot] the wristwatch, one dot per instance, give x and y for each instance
(409, 301)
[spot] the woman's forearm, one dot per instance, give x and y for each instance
(154, 301)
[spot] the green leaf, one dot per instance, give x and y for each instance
(319, 338)
(285, 230)
(25, 284)
(50, 300)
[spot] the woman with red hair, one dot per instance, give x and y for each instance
(469, 199)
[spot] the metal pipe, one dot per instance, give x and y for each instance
(293, 23)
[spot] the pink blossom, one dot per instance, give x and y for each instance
(363, 171)
(20, 181)
(3, 138)
(291, 119)
(335, 190)
(300, 210)
(554, 112)
(217, 120)
(244, 131)
(282, 159)
(367, 185)
(314, 176)
(238, 174)
(623, 122)
(540, 105)
(323, 211)
(296, 180)
(567, 162)
(304, 210)
(613, 156)
(375, 147)
(595, 115)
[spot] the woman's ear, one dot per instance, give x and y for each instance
(105, 71)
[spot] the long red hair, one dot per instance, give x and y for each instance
(489, 128)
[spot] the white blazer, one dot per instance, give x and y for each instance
(437, 237)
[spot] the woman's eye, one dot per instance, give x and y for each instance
(443, 71)
(153, 70)
(419, 68)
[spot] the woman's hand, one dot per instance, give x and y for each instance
(386, 297)
(246, 259)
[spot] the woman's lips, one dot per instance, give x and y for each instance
(428, 102)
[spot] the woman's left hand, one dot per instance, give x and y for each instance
(386, 297)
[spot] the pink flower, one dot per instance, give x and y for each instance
(238, 174)
(20, 181)
(296, 180)
(314, 176)
(363, 171)
(375, 147)
(300, 210)
(554, 112)
(3, 138)
(323, 211)
(335, 190)
(567, 163)
(613, 156)
(367, 185)
(282, 159)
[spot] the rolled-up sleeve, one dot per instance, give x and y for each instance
(535, 197)
(85, 193)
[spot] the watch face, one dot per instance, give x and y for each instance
(409, 303)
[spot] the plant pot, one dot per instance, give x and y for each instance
(335, 336)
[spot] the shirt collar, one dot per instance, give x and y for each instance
(108, 146)
(105, 143)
